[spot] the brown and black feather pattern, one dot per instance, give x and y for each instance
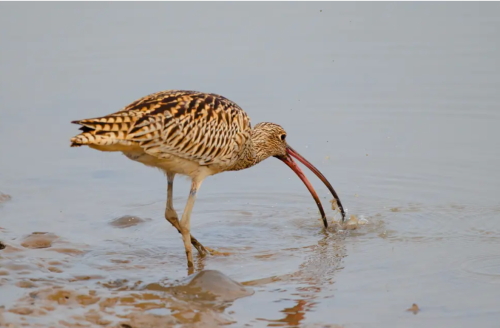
(202, 127)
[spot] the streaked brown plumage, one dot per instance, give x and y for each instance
(190, 133)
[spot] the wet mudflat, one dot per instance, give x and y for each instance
(396, 104)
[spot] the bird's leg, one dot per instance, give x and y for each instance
(171, 214)
(185, 223)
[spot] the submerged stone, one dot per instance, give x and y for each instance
(126, 221)
(212, 285)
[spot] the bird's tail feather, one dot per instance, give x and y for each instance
(103, 131)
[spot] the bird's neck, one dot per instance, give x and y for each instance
(252, 154)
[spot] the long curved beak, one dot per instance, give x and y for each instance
(287, 159)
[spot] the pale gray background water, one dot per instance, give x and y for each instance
(403, 98)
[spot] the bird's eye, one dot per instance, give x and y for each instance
(283, 136)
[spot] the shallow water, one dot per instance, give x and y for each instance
(397, 105)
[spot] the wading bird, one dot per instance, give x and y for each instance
(194, 134)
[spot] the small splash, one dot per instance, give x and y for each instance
(334, 204)
(353, 223)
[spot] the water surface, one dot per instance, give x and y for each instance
(397, 104)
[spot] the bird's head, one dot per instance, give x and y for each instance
(269, 139)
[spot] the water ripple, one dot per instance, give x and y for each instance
(484, 268)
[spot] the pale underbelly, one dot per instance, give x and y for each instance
(172, 164)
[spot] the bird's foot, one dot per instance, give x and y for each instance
(216, 252)
(199, 247)
(190, 267)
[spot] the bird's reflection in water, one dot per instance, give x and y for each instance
(293, 315)
(315, 275)
(318, 272)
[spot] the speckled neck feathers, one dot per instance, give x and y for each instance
(265, 141)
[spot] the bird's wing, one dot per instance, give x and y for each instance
(202, 127)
